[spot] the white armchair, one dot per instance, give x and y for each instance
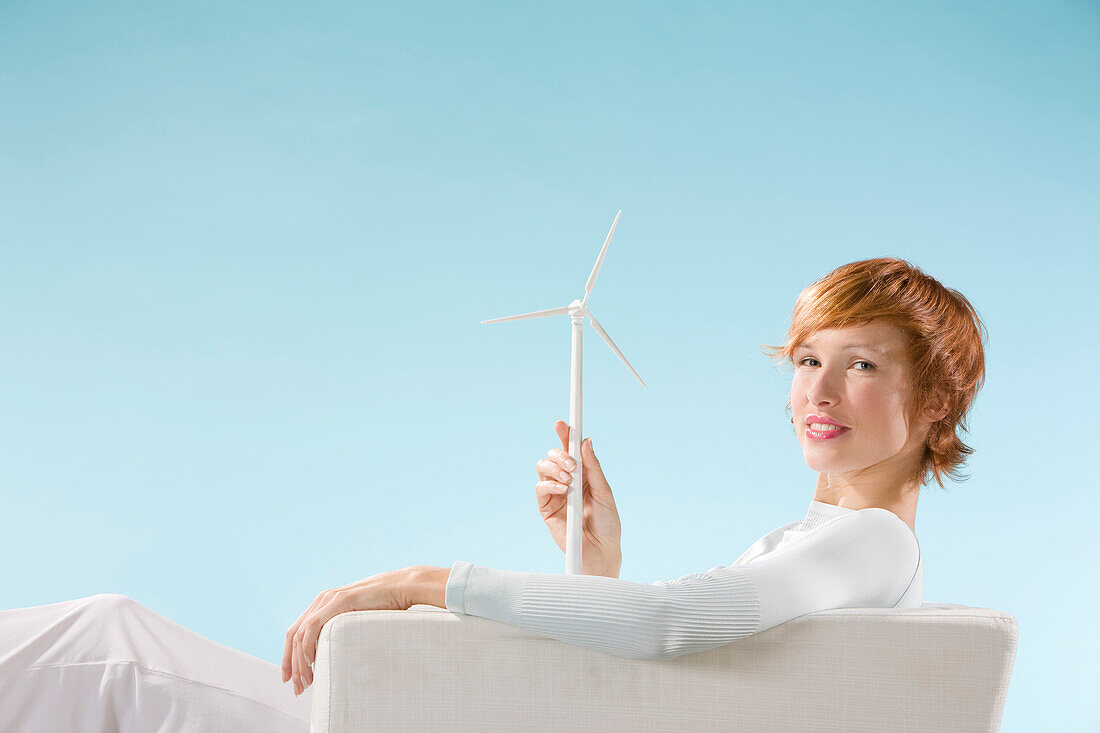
(942, 667)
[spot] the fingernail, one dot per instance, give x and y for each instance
(570, 464)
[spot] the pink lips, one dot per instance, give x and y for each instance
(825, 434)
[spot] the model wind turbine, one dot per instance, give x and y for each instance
(577, 310)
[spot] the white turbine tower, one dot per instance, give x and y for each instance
(577, 310)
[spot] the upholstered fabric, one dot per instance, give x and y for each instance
(941, 667)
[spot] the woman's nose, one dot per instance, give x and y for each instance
(823, 391)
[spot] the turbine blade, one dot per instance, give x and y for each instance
(533, 314)
(599, 260)
(603, 334)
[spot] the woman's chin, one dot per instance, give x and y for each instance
(821, 464)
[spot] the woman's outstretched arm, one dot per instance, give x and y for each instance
(866, 559)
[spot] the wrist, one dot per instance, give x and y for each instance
(427, 585)
(608, 568)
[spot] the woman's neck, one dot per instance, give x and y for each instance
(856, 494)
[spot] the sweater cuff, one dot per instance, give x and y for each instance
(455, 594)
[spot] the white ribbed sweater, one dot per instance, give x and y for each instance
(833, 558)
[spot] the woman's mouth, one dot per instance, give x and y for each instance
(824, 431)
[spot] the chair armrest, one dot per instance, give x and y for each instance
(939, 667)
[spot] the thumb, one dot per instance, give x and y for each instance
(592, 466)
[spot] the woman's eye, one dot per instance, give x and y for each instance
(870, 366)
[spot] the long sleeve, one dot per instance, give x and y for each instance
(864, 559)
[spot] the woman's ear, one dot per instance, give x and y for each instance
(936, 408)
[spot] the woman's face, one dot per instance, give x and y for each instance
(858, 377)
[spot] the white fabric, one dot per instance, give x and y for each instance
(832, 558)
(106, 663)
(942, 667)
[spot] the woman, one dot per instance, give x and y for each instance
(887, 363)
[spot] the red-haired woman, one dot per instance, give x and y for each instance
(887, 363)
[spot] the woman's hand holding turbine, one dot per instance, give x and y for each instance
(601, 552)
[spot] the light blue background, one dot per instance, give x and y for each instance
(246, 250)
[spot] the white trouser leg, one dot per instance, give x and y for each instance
(106, 663)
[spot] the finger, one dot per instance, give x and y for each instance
(288, 648)
(288, 652)
(304, 670)
(294, 677)
(334, 607)
(544, 489)
(299, 661)
(310, 632)
(562, 429)
(562, 458)
(300, 664)
(551, 487)
(314, 620)
(550, 500)
(550, 471)
(554, 472)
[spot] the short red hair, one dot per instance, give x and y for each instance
(945, 348)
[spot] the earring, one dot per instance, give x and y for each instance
(792, 421)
